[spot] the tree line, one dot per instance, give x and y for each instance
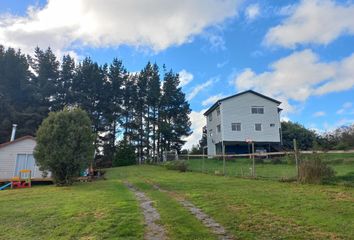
(145, 111)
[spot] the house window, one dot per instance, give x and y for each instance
(258, 127)
(257, 110)
(218, 127)
(210, 132)
(218, 111)
(236, 126)
(272, 125)
(210, 117)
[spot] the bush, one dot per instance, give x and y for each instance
(314, 170)
(64, 145)
(125, 155)
(178, 165)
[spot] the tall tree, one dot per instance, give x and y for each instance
(63, 96)
(174, 111)
(153, 100)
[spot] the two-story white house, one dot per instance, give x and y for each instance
(234, 121)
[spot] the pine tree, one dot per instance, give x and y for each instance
(153, 100)
(174, 121)
(64, 86)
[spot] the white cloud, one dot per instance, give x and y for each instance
(252, 12)
(285, 119)
(341, 122)
(212, 99)
(197, 89)
(298, 76)
(185, 77)
(346, 108)
(198, 122)
(313, 21)
(319, 114)
(156, 24)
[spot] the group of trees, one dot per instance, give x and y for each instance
(341, 138)
(145, 111)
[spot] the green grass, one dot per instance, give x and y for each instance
(342, 163)
(247, 208)
(98, 210)
(259, 209)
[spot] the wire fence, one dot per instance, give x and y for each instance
(277, 165)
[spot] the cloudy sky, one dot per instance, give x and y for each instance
(299, 52)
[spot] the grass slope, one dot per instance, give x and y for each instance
(249, 209)
(260, 209)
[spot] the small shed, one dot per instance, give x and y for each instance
(16, 155)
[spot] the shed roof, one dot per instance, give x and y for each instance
(236, 95)
(16, 140)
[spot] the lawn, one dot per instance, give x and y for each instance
(247, 208)
(98, 210)
(342, 163)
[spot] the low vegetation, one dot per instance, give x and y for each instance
(179, 165)
(314, 170)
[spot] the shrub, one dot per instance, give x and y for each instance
(314, 170)
(178, 165)
(125, 155)
(64, 145)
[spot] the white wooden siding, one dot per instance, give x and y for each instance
(212, 125)
(238, 110)
(8, 155)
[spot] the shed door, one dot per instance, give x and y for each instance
(24, 161)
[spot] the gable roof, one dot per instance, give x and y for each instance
(215, 105)
(17, 140)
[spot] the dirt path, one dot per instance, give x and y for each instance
(207, 221)
(154, 231)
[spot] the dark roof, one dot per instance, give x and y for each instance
(16, 140)
(215, 105)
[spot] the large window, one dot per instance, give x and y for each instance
(236, 126)
(257, 110)
(218, 127)
(258, 127)
(210, 117)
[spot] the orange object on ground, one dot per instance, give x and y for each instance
(19, 182)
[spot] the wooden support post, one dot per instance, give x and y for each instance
(223, 159)
(296, 158)
(253, 162)
(203, 159)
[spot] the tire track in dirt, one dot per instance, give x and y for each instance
(207, 221)
(154, 231)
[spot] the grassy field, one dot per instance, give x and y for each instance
(343, 164)
(248, 209)
(98, 210)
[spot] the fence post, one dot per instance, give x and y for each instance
(296, 158)
(203, 161)
(253, 162)
(223, 159)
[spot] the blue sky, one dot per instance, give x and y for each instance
(300, 52)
